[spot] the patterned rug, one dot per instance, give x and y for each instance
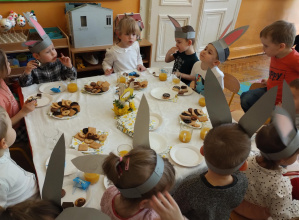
(244, 86)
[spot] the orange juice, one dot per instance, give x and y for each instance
(176, 80)
(72, 87)
(92, 177)
(204, 132)
(202, 102)
(163, 76)
(122, 79)
(123, 153)
(185, 136)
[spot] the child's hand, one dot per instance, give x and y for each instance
(173, 50)
(264, 82)
(166, 207)
(141, 68)
(65, 61)
(192, 85)
(30, 66)
(28, 107)
(178, 74)
(108, 71)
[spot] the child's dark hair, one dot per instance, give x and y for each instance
(268, 141)
(33, 36)
(141, 165)
(280, 32)
(31, 210)
(127, 25)
(226, 146)
(187, 29)
(295, 84)
(3, 65)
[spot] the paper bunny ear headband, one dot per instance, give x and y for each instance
(219, 112)
(284, 122)
(227, 40)
(179, 32)
(53, 184)
(93, 163)
(37, 46)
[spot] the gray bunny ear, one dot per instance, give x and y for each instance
(288, 101)
(55, 172)
(256, 116)
(90, 163)
(77, 213)
(141, 127)
(174, 22)
(216, 103)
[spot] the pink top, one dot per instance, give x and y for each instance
(7, 100)
(107, 206)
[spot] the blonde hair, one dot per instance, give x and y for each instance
(280, 32)
(127, 25)
(142, 163)
(3, 65)
(3, 123)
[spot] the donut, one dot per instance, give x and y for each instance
(176, 88)
(198, 112)
(80, 202)
(187, 121)
(183, 117)
(183, 87)
(93, 83)
(85, 130)
(68, 103)
(88, 141)
(62, 193)
(166, 96)
(65, 112)
(81, 134)
(102, 137)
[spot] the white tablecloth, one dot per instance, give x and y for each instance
(96, 112)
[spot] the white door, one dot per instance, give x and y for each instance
(208, 17)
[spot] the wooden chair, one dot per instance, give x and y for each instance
(21, 158)
(232, 84)
(256, 86)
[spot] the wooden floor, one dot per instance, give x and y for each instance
(245, 69)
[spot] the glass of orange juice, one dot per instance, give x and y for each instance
(175, 79)
(163, 74)
(72, 85)
(185, 133)
(121, 78)
(123, 149)
(92, 177)
(204, 132)
(202, 102)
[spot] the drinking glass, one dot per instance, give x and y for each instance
(92, 177)
(72, 85)
(185, 133)
(163, 74)
(175, 79)
(121, 78)
(123, 149)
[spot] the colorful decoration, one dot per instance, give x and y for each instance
(21, 21)
(125, 104)
(13, 14)
(12, 21)
(5, 24)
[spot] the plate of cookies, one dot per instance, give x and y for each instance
(139, 83)
(193, 117)
(182, 90)
(89, 140)
(96, 88)
(65, 109)
(41, 99)
(79, 197)
(163, 93)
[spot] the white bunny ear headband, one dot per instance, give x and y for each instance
(284, 122)
(35, 45)
(178, 30)
(227, 40)
(53, 184)
(93, 163)
(219, 112)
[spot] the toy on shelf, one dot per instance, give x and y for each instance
(79, 63)
(125, 104)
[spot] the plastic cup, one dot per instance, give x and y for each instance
(72, 86)
(92, 177)
(185, 133)
(123, 149)
(204, 132)
(202, 102)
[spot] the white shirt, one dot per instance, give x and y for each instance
(269, 188)
(217, 72)
(122, 59)
(16, 184)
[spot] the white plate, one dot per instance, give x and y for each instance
(197, 122)
(153, 70)
(107, 183)
(101, 93)
(156, 120)
(79, 193)
(76, 142)
(158, 93)
(157, 142)
(46, 87)
(46, 99)
(69, 167)
(65, 117)
(186, 155)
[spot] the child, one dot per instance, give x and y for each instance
(8, 101)
(125, 55)
(214, 53)
(295, 90)
(277, 40)
(132, 171)
(16, 184)
(183, 53)
(47, 68)
(269, 192)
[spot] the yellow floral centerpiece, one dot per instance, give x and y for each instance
(125, 104)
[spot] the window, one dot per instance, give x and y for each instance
(83, 21)
(108, 20)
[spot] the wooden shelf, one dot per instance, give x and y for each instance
(89, 68)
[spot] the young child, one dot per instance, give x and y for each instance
(8, 101)
(127, 173)
(16, 184)
(295, 90)
(125, 55)
(269, 192)
(277, 40)
(47, 68)
(214, 53)
(183, 53)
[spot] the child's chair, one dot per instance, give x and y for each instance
(21, 158)
(232, 84)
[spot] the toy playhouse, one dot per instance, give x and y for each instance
(89, 25)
